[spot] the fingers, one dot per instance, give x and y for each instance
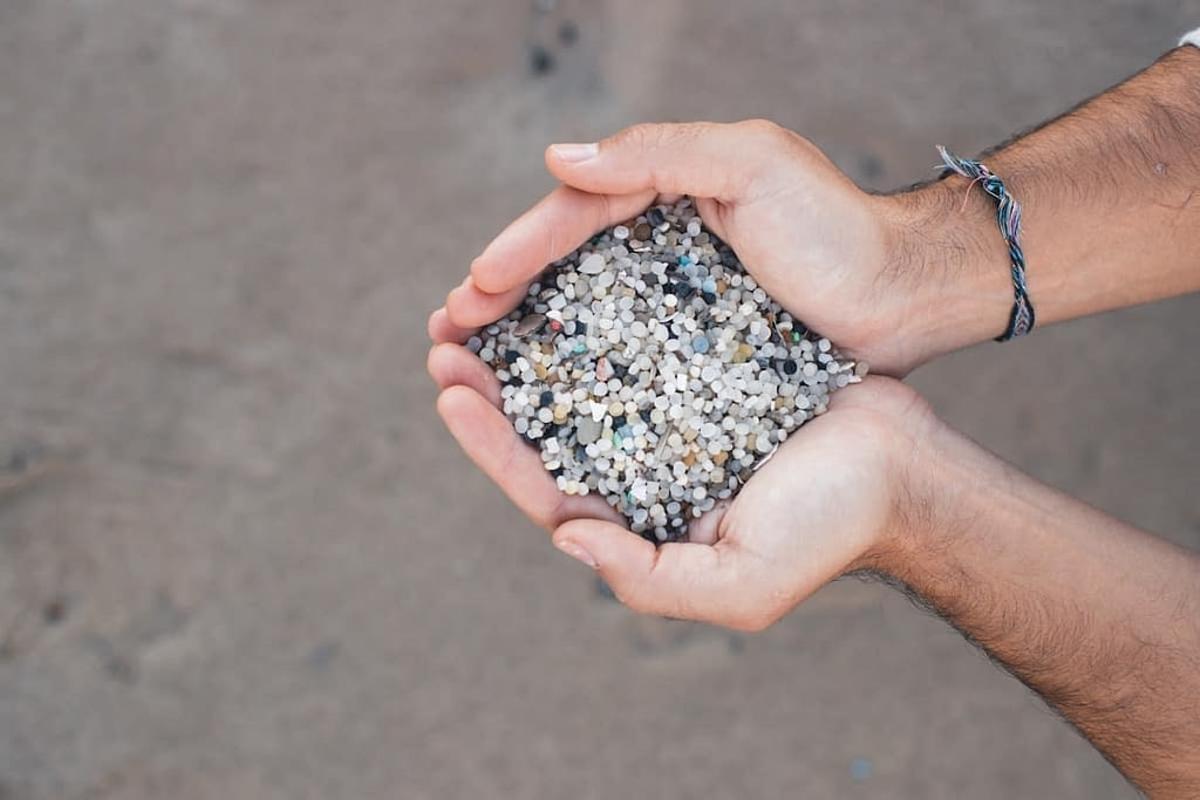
(711, 212)
(453, 365)
(562, 221)
(622, 177)
(707, 529)
(467, 306)
(441, 329)
(719, 584)
(490, 441)
(703, 159)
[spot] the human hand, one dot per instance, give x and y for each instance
(838, 494)
(845, 262)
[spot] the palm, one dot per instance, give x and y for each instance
(820, 504)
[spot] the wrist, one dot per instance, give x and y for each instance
(945, 248)
(943, 481)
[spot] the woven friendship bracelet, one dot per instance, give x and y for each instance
(1008, 215)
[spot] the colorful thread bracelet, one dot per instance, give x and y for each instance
(1008, 216)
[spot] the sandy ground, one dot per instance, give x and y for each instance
(239, 557)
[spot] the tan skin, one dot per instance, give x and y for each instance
(1101, 619)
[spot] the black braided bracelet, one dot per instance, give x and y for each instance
(1008, 215)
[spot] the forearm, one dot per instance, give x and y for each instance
(1099, 618)
(1111, 198)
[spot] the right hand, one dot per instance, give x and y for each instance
(827, 251)
(849, 490)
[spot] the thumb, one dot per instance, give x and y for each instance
(682, 580)
(702, 159)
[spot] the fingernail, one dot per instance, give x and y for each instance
(577, 552)
(575, 153)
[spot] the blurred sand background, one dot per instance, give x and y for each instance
(240, 557)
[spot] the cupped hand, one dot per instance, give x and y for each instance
(836, 494)
(829, 252)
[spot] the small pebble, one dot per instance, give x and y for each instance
(529, 324)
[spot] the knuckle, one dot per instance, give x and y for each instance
(651, 135)
(638, 137)
(771, 132)
(682, 132)
(764, 128)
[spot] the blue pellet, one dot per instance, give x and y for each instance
(700, 344)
